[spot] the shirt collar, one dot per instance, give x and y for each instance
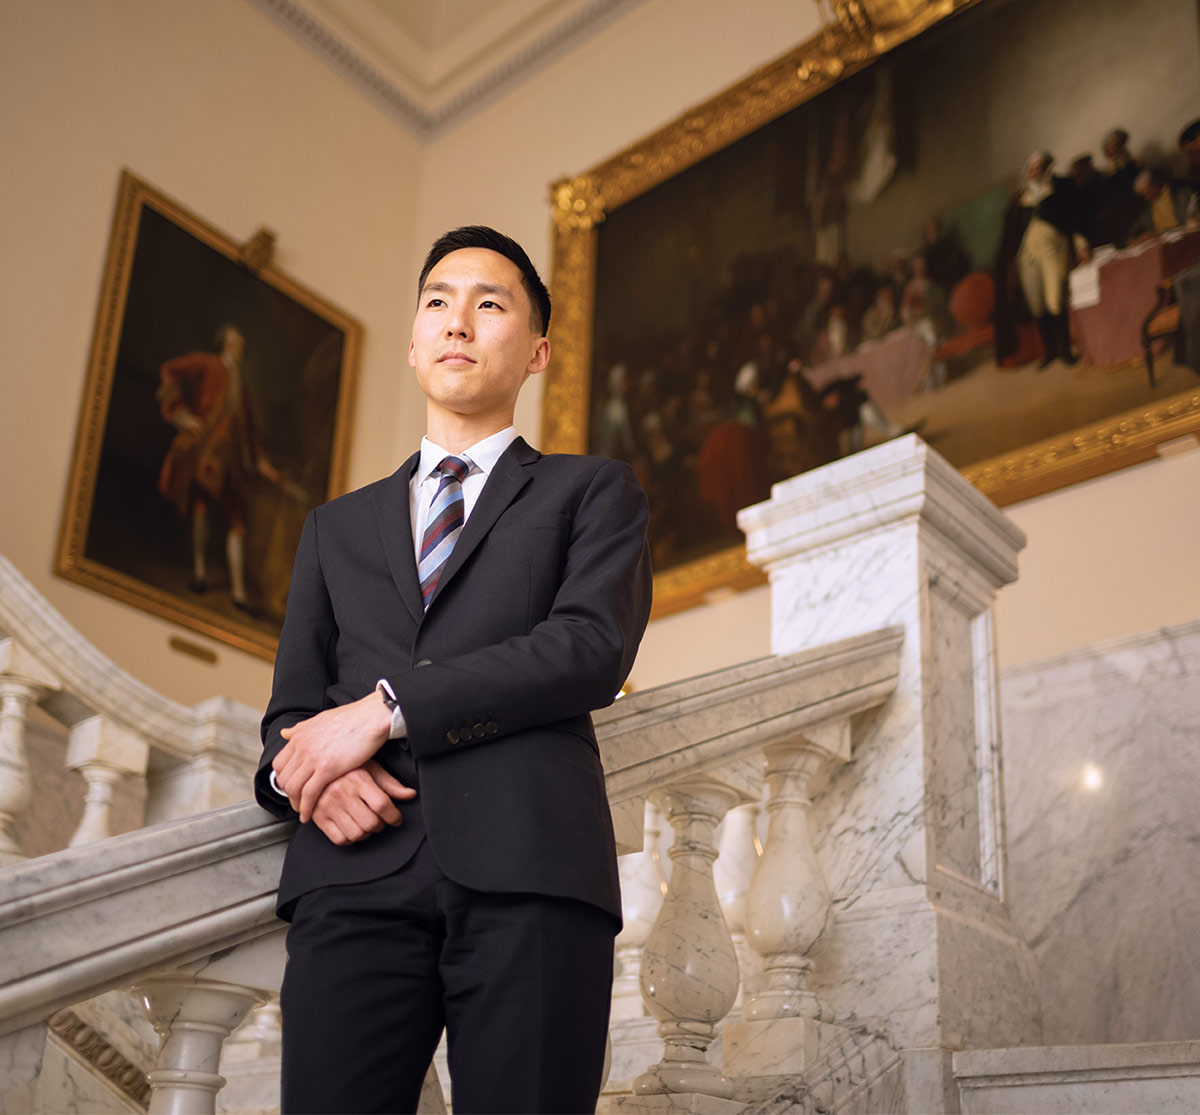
(483, 453)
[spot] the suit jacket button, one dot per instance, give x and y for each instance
(423, 662)
(492, 727)
(480, 731)
(452, 737)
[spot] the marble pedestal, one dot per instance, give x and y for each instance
(910, 833)
(771, 1051)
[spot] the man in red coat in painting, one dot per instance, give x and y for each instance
(213, 454)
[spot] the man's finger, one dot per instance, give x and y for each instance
(329, 826)
(381, 805)
(388, 783)
(309, 793)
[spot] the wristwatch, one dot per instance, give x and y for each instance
(399, 730)
(383, 687)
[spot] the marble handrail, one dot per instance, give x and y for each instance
(79, 922)
(666, 734)
(91, 683)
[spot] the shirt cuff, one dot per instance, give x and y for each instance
(399, 728)
(275, 786)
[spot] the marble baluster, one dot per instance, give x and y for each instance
(23, 679)
(104, 754)
(250, 1061)
(787, 903)
(193, 1016)
(689, 973)
(264, 1025)
(735, 866)
(643, 885)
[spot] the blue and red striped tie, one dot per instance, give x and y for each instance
(444, 525)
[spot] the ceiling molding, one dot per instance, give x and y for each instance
(512, 51)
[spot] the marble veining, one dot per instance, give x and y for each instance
(1103, 776)
(894, 535)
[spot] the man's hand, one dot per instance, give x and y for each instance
(326, 746)
(359, 803)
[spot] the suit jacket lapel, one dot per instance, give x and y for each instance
(508, 477)
(395, 528)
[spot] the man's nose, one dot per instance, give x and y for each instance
(459, 324)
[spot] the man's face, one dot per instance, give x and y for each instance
(472, 346)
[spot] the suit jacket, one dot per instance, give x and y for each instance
(535, 623)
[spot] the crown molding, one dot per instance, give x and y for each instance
(422, 101)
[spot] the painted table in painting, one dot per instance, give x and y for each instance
(1111, 297)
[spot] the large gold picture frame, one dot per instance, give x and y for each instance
(855, 36)
(216, 413)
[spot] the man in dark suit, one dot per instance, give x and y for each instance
(449, 630)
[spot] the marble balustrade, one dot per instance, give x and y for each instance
(182, 912)
(117, 731)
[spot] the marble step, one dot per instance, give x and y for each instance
(1158, 1078)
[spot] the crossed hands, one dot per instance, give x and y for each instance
(328, 771)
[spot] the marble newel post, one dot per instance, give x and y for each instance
(908, 837)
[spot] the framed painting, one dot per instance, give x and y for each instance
(216, 414)
(845, 247)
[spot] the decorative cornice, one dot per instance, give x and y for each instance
(430, 115)
(108, 1061)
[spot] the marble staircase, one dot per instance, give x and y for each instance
(822, 914)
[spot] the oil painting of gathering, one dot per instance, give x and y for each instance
(989, 237)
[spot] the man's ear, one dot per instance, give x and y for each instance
(412, 360)
(540, 358)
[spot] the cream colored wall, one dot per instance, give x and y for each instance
(216, 106)
(1113, 556)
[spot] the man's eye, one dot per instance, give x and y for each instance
(435, 302)
(488, 304)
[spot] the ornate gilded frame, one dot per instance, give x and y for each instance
(253, 262)
(857, 32)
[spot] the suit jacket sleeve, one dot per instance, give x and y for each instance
(302, 664)
(574, 660)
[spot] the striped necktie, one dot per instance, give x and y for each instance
(444, 525)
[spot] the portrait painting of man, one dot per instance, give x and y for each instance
(224, 391)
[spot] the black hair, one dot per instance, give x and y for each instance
(1189, 133)
(480, 236)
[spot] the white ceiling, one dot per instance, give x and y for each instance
(431, 61)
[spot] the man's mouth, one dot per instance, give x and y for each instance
(455, 358)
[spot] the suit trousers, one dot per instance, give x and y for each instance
(521, 983)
